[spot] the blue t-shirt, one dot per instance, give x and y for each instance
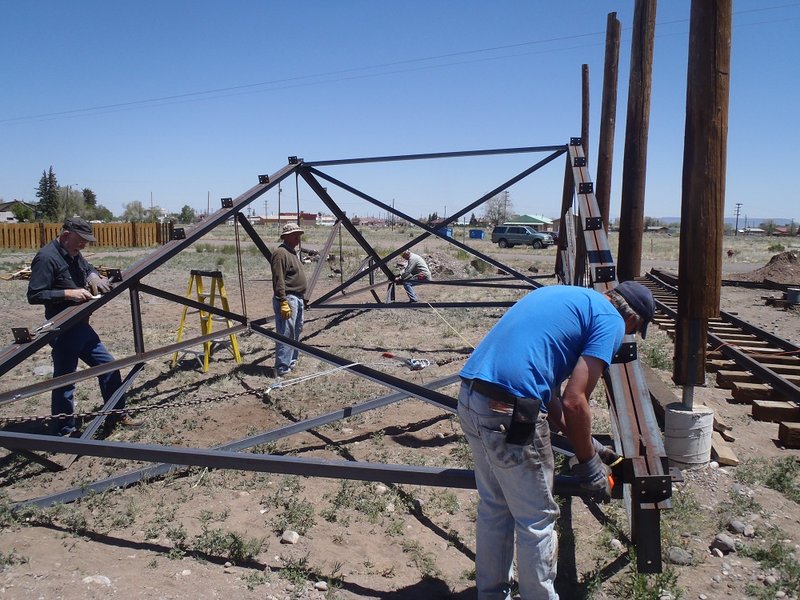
(537, 343)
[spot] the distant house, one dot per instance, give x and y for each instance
(753, 231)
(658, 229)
(8, 207)
(538, 222)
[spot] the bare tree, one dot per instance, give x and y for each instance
(497, 208)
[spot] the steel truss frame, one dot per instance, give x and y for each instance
(646, 482)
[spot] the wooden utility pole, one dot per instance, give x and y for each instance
(585, 111)
(703, 202)
(608, 118)
(634, 165)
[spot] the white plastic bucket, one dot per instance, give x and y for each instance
(687, 435)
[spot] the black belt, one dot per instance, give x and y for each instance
(490, 390)
(524, 414)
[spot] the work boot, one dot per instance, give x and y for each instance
(123, 421)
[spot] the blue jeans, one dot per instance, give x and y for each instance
(515, 486)
(408, 285)
(285, 355)
(79, 342)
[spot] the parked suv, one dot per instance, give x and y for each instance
(507, 236)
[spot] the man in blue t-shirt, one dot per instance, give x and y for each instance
(510, 389)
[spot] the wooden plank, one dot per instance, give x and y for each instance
(726, 379)
(775, 411)
(747, 392)
(789, 434)
(715, 365)
(721, 451)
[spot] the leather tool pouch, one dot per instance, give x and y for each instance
(523, 421)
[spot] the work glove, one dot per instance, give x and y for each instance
(286, 310)
(101, 284)
(421, 277)
(593, 479)
(607, 455)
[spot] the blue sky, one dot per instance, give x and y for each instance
(183, 101)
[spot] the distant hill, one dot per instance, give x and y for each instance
(751, 221)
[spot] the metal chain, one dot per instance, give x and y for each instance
(195, 402)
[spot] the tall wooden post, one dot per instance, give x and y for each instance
(703, 202)
(585, 111)
(634, 165)
(608, 118)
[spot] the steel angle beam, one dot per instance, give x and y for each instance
(323, 258)
(15, 353)
(434, 155)
(427, 230)
(401, 385)
(251, 231)
(158, 470)
(402, 304)
(120, 363)
(637, 435)
(263, 463)
(214, 310)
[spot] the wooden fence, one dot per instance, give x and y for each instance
(36, 235)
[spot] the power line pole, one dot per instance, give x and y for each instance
(738, 209)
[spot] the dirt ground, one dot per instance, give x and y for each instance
(201, 533)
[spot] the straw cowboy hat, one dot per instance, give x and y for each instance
(290, 228)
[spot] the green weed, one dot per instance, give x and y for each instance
(424, 561)
(12, 558)
(777, 557)
(780, 475)
(228, 544)
(641, 586)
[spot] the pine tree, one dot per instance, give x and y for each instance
(47, 192)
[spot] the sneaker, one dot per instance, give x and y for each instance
(69, 431)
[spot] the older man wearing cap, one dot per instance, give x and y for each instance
(510, 390)
(60, 278)
(289, 287)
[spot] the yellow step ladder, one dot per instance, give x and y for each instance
(207, 318)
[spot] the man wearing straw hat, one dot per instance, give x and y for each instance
(289, 287)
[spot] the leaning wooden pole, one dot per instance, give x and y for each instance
(608, 118)
(585, 110)
(703, 202)
(634, 165)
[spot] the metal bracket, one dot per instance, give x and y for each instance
(593, 223)
(575, 141)
(293, 160)
(604, 274)
(114, 275)
(626, 353)
(262, 179)
(579, 161)
(226, 202)
(652, 488)
(179, 233)
(21, 335)
(587, 187)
